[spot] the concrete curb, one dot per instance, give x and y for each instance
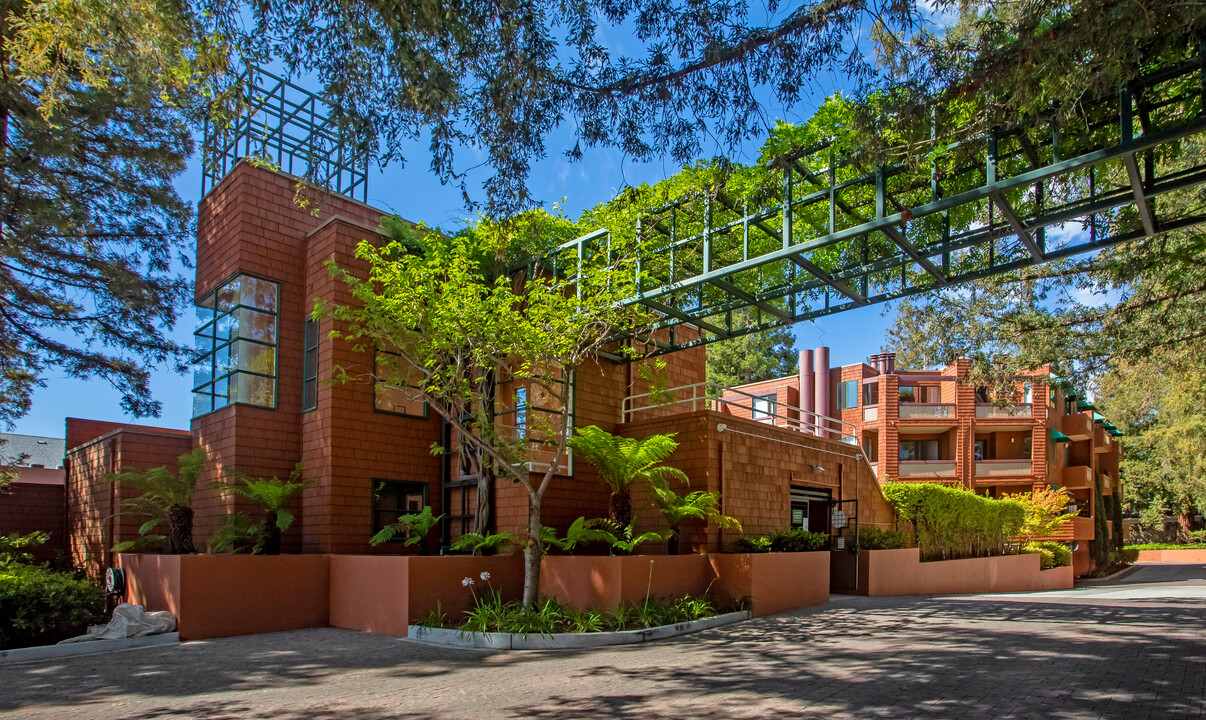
(445, 637)
(90, 647)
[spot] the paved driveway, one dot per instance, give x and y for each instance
(1135, 649)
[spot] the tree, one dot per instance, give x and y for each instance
(751, 358)
(1161, 408)
(92, 228)
(274, 496)
(623, 462)
(472, 319)
(166, 499)
(1045, 511)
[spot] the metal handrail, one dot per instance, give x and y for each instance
(711, 396)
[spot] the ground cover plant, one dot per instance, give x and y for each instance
(1167, 546)
(951, 523)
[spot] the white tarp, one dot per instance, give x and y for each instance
(130, 621)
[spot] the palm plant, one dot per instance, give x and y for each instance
(580, 531)
(413, 527)
(698, 505)
(166, 498)
(274, 496)
(627, 540)
(622, 462)
(477, 543)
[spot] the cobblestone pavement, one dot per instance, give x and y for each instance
(1083, 654)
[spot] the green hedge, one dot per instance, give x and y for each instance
(1053, 554)
(951, 523)
(785, 540)
(39, 606)
(876, 539)
(1166, 546)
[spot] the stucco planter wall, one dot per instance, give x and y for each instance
(883, 573)
(223, 595)
(1173, 556)
(606, 582)
(774, 582)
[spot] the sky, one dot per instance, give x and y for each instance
(413, 192)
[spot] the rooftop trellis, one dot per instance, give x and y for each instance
(291, 128)
(838, 236)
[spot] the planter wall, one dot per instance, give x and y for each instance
(1173, 556)
(883, 573)
(223, 595)
(775, 582)
(605, 582)
(384, 594)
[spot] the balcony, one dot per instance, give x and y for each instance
(1077, 477)
(992, 412)
(926, 469)
(926, 411)
(999, 468)
(1101, 440)
(1077, 427)
(871, 413)
(1082, 528)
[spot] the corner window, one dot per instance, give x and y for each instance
(847, 395)
(392, 498)
(394, 392)
(871, 394)
(235, 344)
(310, 367)
(763, 407)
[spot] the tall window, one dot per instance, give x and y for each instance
(235, 342)
(1028, 393)
(847, 394)
(310, 367)
(392, 498)
(531, 409)
(763, 407)
(394, 390)
(871, 394)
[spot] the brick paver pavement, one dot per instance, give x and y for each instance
(1071, 655)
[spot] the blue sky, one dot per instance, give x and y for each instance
(415, 193)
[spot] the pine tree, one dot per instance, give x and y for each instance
(750, 358)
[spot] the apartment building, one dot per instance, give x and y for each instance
(263, 401)
(932, 426)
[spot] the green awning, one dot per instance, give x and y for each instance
(1057, 436)
(1115, 432)
(1109, 426)
(1098, 417)
(1084, 405)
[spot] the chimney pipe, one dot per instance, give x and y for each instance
(807, 392)
(821, 383)
(890, 363)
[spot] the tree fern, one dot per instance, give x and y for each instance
(478, 543)
(274, 496)
(414, 527)
(623, 462)
(698, 505)
(165, 498)
(580, 531)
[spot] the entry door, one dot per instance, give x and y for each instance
(810, 509)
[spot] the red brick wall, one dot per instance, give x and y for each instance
(32, 507)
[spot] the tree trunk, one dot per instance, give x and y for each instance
(272, 535)
(619, 509)
(672, 543)
(532, 553)
(180, 530)
(1184, 524)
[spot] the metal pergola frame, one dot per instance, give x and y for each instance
(289, 127)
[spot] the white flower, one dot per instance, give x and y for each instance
(485, 575)
(467, 582)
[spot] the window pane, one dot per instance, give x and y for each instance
(252, 390)
(908, 394)
(228, 295)
(227, 326)
(205, 314)
(253, 357)
(202, 403)
(257, 293)
(254, 325)
(393, 399)
(203, 372)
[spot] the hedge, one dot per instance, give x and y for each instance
(875, 539)
(951, 523)
(1052, 554)
(39, 606)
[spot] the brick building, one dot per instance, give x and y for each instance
(931, 426)
(34, 503)
(262, 403)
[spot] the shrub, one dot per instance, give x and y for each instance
(1164, 546)
(1196, 537)
(1052, 554)
(752, 544)
(797, 540)
(14, 547)
(1127, 556)
(875, 539)
(38, 606)
(953, 523)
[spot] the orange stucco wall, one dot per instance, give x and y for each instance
(606, 582)
(884, 573)
(1173, 556)
(774, 582)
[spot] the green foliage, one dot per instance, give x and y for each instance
(166, 499)
(414, 528)
(1045, 511)
(1166, 546)
(435, 618)
(1196, 536)
(697, 505)
(952, 523)
(628, 540)
(623, 462)
(1053, 554)
(274, 496)
(747, 543)
(547, 616)
(1100, 547)
(236, 533)
(478, 543)
(580, 531)
(754, 357)
(14, 547)
(797, 540)
(39, 606)
(872, 538)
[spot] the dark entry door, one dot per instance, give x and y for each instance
(810, 509)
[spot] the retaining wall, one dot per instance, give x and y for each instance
(883, 573)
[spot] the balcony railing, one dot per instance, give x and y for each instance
(988, 411)
(926, 468)
(1083, 528)
(1077, 427)
(993, 468)
(1077, 477)
(926, 411)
